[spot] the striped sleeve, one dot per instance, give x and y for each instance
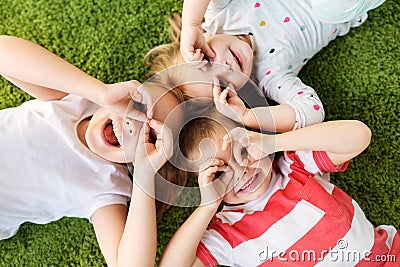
(213, 249)
(325, 164)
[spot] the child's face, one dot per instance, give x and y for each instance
(232, 64)
(232, 50)
(249, 183)
(115, 138)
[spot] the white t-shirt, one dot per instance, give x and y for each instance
(285, 35)
(46, 172)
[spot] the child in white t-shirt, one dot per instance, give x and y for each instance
(65, 153)
(268, 41)
(277, 213)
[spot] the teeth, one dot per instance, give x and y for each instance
(116, 132)
(248, 183)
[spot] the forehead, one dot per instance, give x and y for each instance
(219, 37)
(210, 149)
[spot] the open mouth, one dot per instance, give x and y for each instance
(249, 185)
(111, 134)
(237, 58)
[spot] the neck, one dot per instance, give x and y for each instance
(81, 130)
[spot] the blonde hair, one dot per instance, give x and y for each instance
(164, 56)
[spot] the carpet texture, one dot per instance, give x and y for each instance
(356, 76)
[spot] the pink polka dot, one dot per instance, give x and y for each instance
(268, 72)
(287, 19)
(335, 31)
(300, 92)
(257, 5)
(316, 107)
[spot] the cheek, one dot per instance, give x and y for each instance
(93, 134)
(199, 90)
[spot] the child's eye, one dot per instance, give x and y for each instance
(209, 63)
(244, 153)
(153, 137)
(219, 174)
(139, 106)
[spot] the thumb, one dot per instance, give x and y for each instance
(208, 51)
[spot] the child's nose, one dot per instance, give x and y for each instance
(132, 127)
(239, 170)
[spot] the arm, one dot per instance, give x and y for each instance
(42, 73)
(300, 100)
(46, 76)
(132, 240)
(193, 12)
(279, 118)
(127, 239)
(342, 140)
(193, 44)
(181, 250)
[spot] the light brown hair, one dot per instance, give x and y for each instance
(161, 58)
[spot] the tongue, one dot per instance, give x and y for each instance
(110, 135)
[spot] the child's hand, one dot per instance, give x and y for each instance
(152, 154)
(213, 188)
(118, 98)
(193, 45)
(229, 103)
(248, 147)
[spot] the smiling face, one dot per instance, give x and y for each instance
(115, 138)
(232, 63)
(201, 143)
(249, 183)
(232, 50)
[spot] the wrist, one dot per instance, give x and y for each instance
(191, 24)
(249, 119)
(101, 94)
(211, 208)
(279, 142)
(144, 182)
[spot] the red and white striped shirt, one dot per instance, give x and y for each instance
(301, 220)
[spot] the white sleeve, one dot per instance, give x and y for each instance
(302, 98)
(215, 7)
(340, 11)
(105, 200)
(214, 249)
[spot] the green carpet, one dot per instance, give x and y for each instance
(357, 77)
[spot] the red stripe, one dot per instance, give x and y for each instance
(396, 246)
(395, 251)
(205, 255)
(253, 225)
(325, 164)
(380, 252)
(325, 234)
